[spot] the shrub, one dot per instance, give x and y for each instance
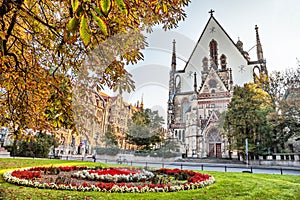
(112, 151)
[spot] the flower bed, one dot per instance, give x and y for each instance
(109, 179)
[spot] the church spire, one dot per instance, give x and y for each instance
(142, 102)
(195, 82)
(174, 56)
(260, 56)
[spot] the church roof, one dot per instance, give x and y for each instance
(211, 19)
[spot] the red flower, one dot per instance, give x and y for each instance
(73, 184)
(85, 184)
(112, 171)
(28, 175)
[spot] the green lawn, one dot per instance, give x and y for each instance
(228, 186)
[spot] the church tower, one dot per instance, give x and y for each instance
(260, 71)
(172, 87)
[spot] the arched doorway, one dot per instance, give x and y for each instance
(214, 140)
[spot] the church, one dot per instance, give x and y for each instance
(200, 92)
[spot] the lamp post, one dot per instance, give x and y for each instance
(186, 146)
(247, 156)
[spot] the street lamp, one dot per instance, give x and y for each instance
(186, 146)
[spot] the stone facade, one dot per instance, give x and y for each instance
(120, 113)
(107, 111)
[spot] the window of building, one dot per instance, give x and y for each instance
(214, 136)
(223, 62)
(205, 64)
(179, 136)
(213, 46)
(212, 83)
(185, 108)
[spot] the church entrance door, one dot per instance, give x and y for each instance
(218, 150)
(214, 140)
(211, 150)
(215, 150)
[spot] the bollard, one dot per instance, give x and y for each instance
(225, 168)
(181, 166)
(202, 167)
(281, 171)
(251, 169)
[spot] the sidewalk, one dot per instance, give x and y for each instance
(211, 160)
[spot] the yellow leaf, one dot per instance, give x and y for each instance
(122, 6)
(75, 4)
(105, 6)
(72, 24)
(84, 31)
(165, 8)
(157, 8)
(101, 24)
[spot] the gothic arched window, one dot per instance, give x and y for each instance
(223, 62)
(185, 107)
(213, 49)
(205, 64)
(179, 136)
(214, 136)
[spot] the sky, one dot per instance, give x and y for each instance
(279, 30)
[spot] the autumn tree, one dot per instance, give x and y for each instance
(247, 118)
(48, 47)
(284, 120)
(145, 128)
(110, 139)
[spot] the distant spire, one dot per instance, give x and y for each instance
(230, 86)
(260, 56)
(230, 76)
(195, 82)
(142, 102)
(174, 56)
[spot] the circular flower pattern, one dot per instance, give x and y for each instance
(109, 179)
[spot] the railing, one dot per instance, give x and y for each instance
(243, 168)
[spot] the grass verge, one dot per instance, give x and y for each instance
(228, 186)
